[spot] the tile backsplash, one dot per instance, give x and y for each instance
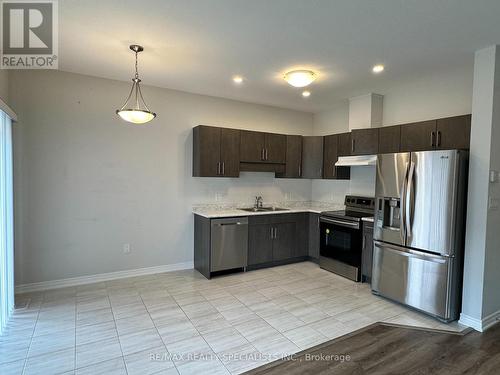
(244, 189)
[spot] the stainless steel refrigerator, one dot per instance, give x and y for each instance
(419, 230)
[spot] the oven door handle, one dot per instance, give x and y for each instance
(342, 223)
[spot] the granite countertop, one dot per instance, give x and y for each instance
(211, 211)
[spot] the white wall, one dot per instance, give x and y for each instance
(442, 94)
(86, 182)
(481, 299)
(4, 85)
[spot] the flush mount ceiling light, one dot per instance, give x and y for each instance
(306, 94)
(237, 79)
(378, 68)
(300, 78)
(135, 110)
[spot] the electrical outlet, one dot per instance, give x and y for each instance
(126, 248)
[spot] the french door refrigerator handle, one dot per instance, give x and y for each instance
(402, 205)
(409, 199)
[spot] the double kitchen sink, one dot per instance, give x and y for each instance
(263, 209)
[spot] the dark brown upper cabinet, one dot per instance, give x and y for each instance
(275, 148)
(293, 165)
(215, 152)
(258, 147)
(230, 152)
(364, 141)
(442, 134)
(312, 157)
(419, 136)
(453, 133)
(330, 157)
(252, 146)
(389, 139)
(344, 144)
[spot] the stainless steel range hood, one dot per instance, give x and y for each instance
(353, 161)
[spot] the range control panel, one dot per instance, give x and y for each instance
(360, 202)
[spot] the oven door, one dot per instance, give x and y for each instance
(341, 246)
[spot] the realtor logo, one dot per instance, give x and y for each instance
(29, 34)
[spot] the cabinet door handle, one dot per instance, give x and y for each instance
(439, 138)
(218, 168)
(275, 232)
(266, 154)
(223, 168)
(353, 144)
(364, 242)
(271, 235)
(300, 170)
(433, 139)
(333, 170)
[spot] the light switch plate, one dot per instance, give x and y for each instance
(493, 203)
(494, 176)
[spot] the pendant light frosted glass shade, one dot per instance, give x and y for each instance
(135, 109)
(136, 116)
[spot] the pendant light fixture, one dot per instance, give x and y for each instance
(135, 110)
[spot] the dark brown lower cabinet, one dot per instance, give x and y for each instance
(272, 240)
(277, 238)
(367, 252)
(260, 243)
(313, 243)
(284, 241)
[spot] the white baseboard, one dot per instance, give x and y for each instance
(491, 320)
(469, 321)
(82, 280)
(480, 325)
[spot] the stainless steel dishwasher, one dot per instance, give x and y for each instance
(228, 243)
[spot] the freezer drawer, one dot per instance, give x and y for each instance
(417, 279)
(228, 243)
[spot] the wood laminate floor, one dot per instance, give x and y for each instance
(383, 349)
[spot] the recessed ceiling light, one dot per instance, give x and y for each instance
(306, 94)
(300, 78)
(237, 79)
(378, 68)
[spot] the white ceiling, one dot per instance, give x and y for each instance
(198, 45)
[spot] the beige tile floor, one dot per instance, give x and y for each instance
(180, 322)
